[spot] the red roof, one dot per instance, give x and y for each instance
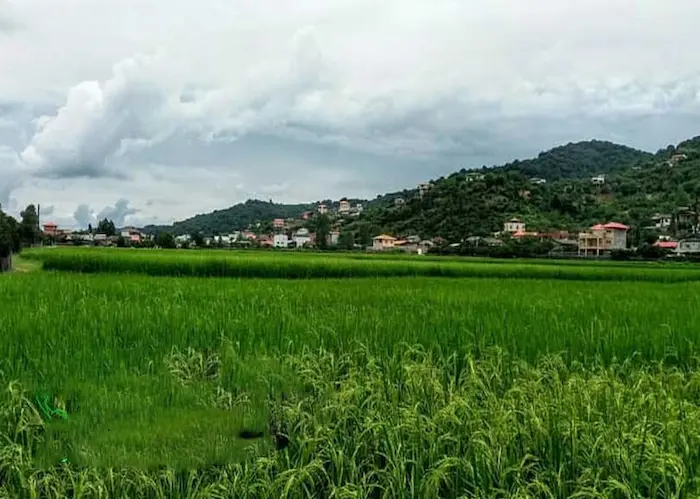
(50, 224)
(666, 244)
(616, 226)
(598, 227)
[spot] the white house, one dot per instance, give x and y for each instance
(302, 237)
(661, 221)
(514, 225)
(280, 241)
(598, 180)
(537, 181)
(688, 247)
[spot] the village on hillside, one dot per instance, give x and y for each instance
(294, 233)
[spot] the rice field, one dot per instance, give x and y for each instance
(300, 265)
(129, 384)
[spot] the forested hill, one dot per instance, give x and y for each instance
(578, 160)
(237, 217)
(637, 186)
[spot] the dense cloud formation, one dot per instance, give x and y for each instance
(185, 107)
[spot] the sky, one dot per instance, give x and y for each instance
(150, 111)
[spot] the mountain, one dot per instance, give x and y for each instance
(237, 217)
(637, 186)
(476, 202)
(578, 160)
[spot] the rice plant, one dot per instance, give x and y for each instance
(371, 387)
(291, 265)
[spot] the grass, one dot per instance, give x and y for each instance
(307, 266)
(385, 386)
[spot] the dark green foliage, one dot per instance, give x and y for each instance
(29, 226)
(237, 217)
(578, 160)
(165, 240)
(106, 227)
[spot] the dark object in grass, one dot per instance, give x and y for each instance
(250, 434)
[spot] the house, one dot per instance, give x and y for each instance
(667, 245)
(423, 188)
(302, 237)
(278, 223)
(344, 207)
(50, 229)
(675, 159)
(132, 234)
(602, 238)
(514, 225)
(524, 194)
(413, 239)
(425, 246)
(399, 201)
(307, 215)
(333, 238)
(662, 221)
(322, 209)
(688, 247)
(537, 181)
(471, 177)
(383, 242)
(521, 234)
(280, 241)
(598, 180)
(266, 242)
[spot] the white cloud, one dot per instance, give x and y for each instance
(411, 89)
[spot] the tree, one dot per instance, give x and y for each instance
(121, 242)
(89, 228)
(106, 227)
(346, 240)
(165, 240)
(323, 230)
(197, 239)
(29, 226)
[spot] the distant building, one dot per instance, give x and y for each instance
(675, 159)
(598, 180)
(471, 177)
(514, 225)
(537, 181)
(399, 201)
(322, 209)
(50, 229)
(423, 188)
(662, 221)
(333, 238)
(307, 215)
(688, 247)
(344, 207)
(280, 241)
(278, 223)
(383, 242)
(602, 238)
(302, 237)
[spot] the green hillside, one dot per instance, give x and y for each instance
(637, 185)
(476, 202)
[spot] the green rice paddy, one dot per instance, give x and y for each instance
(384, 377)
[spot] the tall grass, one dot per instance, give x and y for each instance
(411, 387)
(305, 266)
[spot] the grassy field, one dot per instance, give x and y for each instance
(293, 265)
(380, 386)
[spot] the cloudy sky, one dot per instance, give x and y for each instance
(154, 110)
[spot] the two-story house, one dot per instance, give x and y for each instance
(602, 238)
